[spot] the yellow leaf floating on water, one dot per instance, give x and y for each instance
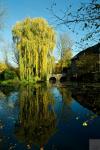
(85, 124)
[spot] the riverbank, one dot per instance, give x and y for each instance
(15, 82)
(68, 83)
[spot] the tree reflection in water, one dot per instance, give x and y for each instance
(46, 117)
(37, 120)
(66, 95)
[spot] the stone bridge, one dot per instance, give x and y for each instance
(56, 77)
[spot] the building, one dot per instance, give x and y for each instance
(86, 65)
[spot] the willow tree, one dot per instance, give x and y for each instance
(34, 40)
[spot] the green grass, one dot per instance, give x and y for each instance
(17, 82)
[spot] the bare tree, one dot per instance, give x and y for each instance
(15, 55)
(64, 43)
(85, 18)
(64, 46)
(2, 17)
(10, 58)
(2, 14)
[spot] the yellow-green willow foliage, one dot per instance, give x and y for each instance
(35, 39)
(3, 67)
(51, 63)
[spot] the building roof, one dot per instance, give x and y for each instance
(94, 49)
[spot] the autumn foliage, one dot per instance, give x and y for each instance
(35, 40)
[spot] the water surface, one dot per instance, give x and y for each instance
(49, 117)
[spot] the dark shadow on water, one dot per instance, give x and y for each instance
(88, 96)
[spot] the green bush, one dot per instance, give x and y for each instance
(8, 74)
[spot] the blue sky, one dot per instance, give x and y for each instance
(17, 10)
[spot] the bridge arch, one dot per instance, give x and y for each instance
(63, 79)
(52, 79)
(57, 77)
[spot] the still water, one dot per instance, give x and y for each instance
(49, 117)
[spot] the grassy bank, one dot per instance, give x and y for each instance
(16, 82)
